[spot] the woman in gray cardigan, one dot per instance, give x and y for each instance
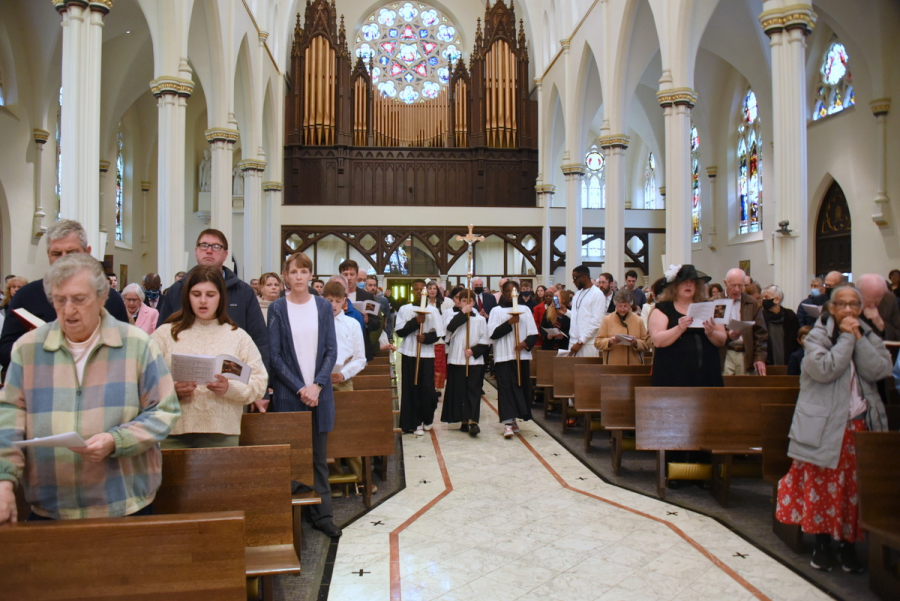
(844, 359)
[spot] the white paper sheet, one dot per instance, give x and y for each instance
(624, 339)
(554, 332)
(370, 307)
(812, 310)
(203, 369)
(717, 309)
(740, 326)
(69, 439)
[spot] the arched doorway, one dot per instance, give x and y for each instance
(833, 233)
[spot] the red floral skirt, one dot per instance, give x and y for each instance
(440, 366)
(824, 500)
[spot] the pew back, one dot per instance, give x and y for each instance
(363, 424)
(376, 370)
(564, 374)
(763, 381)
(361, 382)
(589, 383)
(776, 424)
(543, 367)
(294, 429)
(617, 400)
(776, 370)
(878, 474)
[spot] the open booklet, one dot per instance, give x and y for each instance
(716, 310)
(68, 440)
(812, 310)
(624, 339)
(554, 332)
(203, 368)
(368, 306)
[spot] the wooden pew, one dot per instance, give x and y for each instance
(762, 381)
(588, 386)
(878, 476)
(255, 480)
(194, 556)
(361, 382)
(776, 370)
(617, 409)
(776, 424)
(564, 382)
(375, 370)
(380, 361)
(363, 427)
(724, 423)
(543, 373)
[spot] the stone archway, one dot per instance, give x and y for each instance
(833, 249)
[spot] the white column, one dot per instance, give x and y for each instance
(172, 94)
(880, 109)
(252, 253)
(677, 104)
(37, 221)
(787, 28)
(545, 194)
(614, 147)
(711, 238)
(272, 226)
(145, 187)
(221, 142)
(104, 234)
(574, 219)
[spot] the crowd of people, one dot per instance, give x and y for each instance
(103, 365)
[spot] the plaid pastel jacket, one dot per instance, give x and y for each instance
(126, 390)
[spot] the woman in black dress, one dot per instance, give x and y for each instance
(684, 355)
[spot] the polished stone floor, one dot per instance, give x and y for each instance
(496, 519)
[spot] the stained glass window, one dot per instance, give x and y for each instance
(650, 192)
(120, 184)
(749, 155)
(410, 49)
(695, 185)
(593, 184)
(835, 91)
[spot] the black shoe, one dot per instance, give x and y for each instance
(328, 529)
(464, 428)
(474, 430)
(850, 563)
(823, 558)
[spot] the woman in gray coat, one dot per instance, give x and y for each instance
(844, 359)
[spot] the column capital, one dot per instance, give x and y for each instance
(879, 107)
(545, 189)
(40, 136)
(712, 172)
(169, 84)
(263, 36)
(103, 6)
(615, 141)
(104, 166)
(677, 96)
(573, 169)
(798, 16)
(272, 186)
(223, 134)
(145, 186)
(252, 165)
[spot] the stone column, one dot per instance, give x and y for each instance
(172, 94)
(545, 194)
(711, 239)
(104, 234)
(614, 147)
(787, 28)
(677, 104)
(252, 252)
(272, 226)
(880, 109)
(37, 221)
(82, 23)
(574, 173)
(221, 142)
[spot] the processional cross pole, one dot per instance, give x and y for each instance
(423, 311)
(471, 240)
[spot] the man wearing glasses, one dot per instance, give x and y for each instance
(744, 353)
(243, 307)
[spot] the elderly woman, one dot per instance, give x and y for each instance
(211, 411)
(269, 290)
(625, 323)
(838, 396)
(782, 325)
(96, 376)
(12, 286)
(141, 315)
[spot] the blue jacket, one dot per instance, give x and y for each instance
(285, 377)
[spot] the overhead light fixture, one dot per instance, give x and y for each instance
(129, 31)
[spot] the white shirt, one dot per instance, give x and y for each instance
(588, 310)
(81, 350)
(433, 323)
(456, 342)
(351, 353)
(304, 320)
(504, 347)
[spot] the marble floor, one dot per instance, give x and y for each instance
(497, 519)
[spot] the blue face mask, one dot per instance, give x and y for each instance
(361, 285)
(814, 292)
(151, 294)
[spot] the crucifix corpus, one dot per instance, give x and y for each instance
(471, 240)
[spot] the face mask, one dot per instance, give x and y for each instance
(814, 292)
(479, 289)
(151, 294)
(526, 294)
(361, 285)
(828, 293)
(768, 303)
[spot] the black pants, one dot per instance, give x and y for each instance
(322, 513)
(417, 401)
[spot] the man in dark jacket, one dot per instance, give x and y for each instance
(350, 270)
(243, 307)
(63, 237)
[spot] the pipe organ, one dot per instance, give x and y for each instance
(353, 137)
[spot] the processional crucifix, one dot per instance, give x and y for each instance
(471, 240)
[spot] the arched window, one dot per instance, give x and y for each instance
(593, 185)
(650, 192)
(120, 187)
(835, 91)
(695, 185)
(409, 48)
(749, 155)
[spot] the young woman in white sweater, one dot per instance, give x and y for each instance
(210, 411)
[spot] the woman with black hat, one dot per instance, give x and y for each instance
(685, 355)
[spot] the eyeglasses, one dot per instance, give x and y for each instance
(206, 246)
(60, 302)
(841, 305)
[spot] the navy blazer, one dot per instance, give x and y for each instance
(285, 378)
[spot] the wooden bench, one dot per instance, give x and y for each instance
(194, 556)
(380, 360)
(375, 370)
(764, 381)
(255, 480)
(878, 476)
(777, 370)
(723, 423)
(588, 386)
(617, 409)
(564, 382)
(363, 427)
(382, 382)
(543, 375)
(776, 424)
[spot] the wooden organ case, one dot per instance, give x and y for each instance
(473, 144)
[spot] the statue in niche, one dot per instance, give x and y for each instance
(237, 182)
(205, 175)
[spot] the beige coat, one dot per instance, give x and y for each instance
(620, 354)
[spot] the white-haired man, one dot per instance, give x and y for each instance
(744, 352)
(880, 309)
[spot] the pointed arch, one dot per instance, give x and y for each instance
(245, 110)
(206, 53)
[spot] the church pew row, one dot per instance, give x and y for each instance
(587, 398)
(195, 556)
(375, 370)
(382, 382)
(543, 375)
(564, 383)
(878, 475)
(702, 419)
